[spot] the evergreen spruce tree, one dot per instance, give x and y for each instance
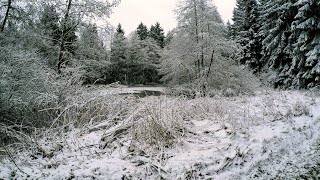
(252, 49)
(245, 31)
(119, 67)
(118, 46)
(276, 20)
(156, 32)
(71, 37)
(238, 18)
(48, 27)
(229, 29)
(142, 31)
(305, 67)
(91, 44)
(144, 58)
(92, 54)
(49, 23)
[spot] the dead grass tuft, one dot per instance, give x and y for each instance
(158, 124)
(299, 108)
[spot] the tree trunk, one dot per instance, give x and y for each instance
(211, 61)
(64, 33)
(196, 29)
(6, 15)
(202, 51)
(202, 38)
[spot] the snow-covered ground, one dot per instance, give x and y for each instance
(273, 135)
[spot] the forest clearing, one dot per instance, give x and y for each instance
(159, 89)
(274, 134)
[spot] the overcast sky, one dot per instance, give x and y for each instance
(131, 12)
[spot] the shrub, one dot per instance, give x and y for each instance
(28, 88)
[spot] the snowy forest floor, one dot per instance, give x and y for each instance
(272, 135)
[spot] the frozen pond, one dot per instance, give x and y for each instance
(142, 91)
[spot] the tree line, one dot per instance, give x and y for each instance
(136, 59)
(277, 40)
(66, 34)
(280, 39)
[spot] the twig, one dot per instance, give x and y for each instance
(12, 159)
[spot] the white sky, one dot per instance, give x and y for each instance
(131, 12)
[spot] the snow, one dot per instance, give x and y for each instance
(264, 137)
(130, 90)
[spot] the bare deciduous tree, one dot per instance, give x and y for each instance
(200, 52)
(85, 10)
(9, 2)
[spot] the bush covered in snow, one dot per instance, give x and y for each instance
(27, 88)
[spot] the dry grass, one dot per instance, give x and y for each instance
(163, 121)
(89, 110)
(152, 123)
(299, 108)
(144, 130)
(160, 122)
(157, 123)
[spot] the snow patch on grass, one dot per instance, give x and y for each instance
(221, 138)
